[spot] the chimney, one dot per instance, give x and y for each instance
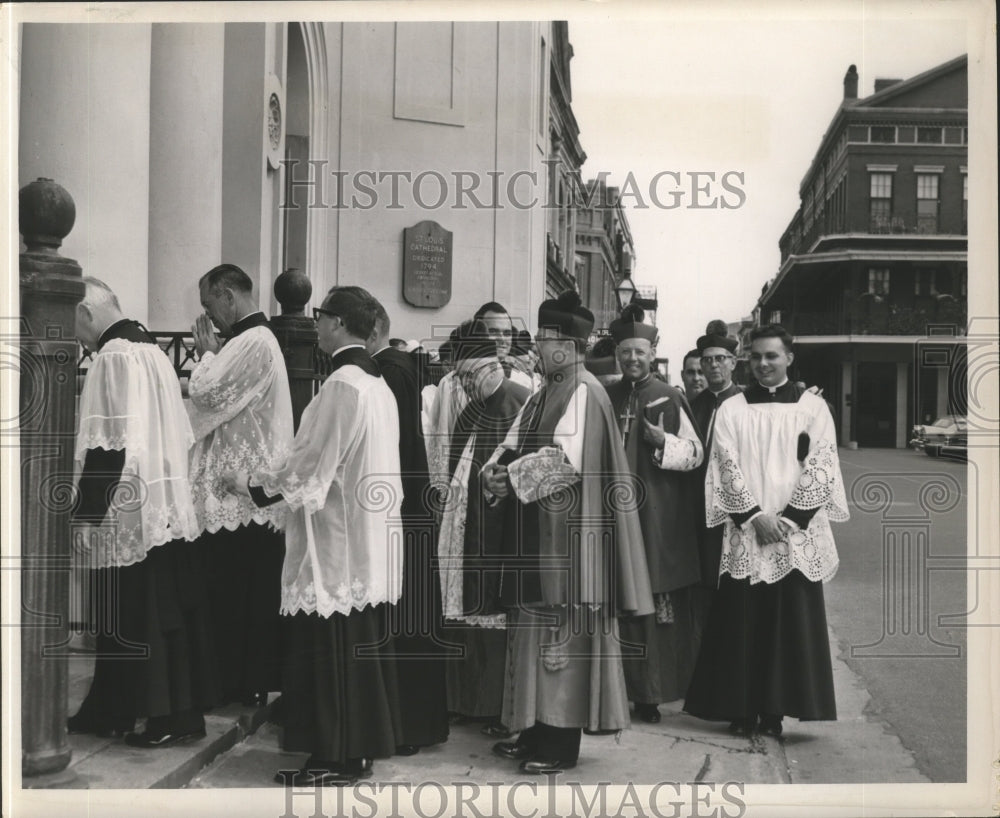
(882, 84)
(851, 83)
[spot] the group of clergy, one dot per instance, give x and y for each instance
(530, 543)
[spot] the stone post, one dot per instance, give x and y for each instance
(50, 287)
(297, 335)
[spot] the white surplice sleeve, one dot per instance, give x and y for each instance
(329, 424)
(552, 468)
(682, 451)
(223, 384)
(820, 485)
(726, 489)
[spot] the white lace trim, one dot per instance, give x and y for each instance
(731, 494)
(811, 551)
(820, 484)
(125, 539)
(347, 597)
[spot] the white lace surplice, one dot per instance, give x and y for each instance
(754, 463)
(343, 535)
(131, 400)
(241, 414)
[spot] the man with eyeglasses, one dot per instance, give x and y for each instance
(562, 474)
(343, 565)
(717, 352)
(692, 375)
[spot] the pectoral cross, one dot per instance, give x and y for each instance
(626, 418)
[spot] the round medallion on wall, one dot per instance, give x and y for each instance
(274, 135)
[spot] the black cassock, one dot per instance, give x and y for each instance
(155, 655)
(765, 649)
(413, 620)
(669, 514)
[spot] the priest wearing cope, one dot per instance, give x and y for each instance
(573, 551)
(663, 451)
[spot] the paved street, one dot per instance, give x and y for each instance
(921, 692)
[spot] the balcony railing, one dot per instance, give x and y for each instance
(868, 316)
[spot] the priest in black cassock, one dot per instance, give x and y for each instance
(343, 565)
(717, 352)
(574, 558)
(774, 481)
(134, 520)
(419, 657)
(472, 531)
(663, 450)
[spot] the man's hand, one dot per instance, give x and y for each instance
(769, 529)
(237, 482)
(655, 436)
(204, 335)
(494, 478)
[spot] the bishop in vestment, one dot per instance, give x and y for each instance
(774, 481)
(574, 557)
(134, 523)
(471, 540)
(663, 449)
(241, 414)
(343, 564)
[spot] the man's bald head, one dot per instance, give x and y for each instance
(98, 310)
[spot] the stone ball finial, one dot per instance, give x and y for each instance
(293, 290)
(47, 213)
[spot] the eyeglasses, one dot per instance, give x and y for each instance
(716, 359)
(692, 372)
(318, 311)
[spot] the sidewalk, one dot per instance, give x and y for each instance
(243, 750)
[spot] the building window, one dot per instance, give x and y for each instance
(925, 282)
(881, 202)
(878, 281)
(775, 316)
(885, 134)
(929, 136)
(965, 203)
(927, 203)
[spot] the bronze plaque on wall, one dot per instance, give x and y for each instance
(427, 265)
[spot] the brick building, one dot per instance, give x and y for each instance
(873, 277)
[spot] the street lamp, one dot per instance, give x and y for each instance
(625, 292)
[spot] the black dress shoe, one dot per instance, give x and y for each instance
(743, 727)
(255, 700)
(149, 741)
(770, 725)
(588, 732)
(407, 749)
(512, 750)
(315, 778)
(495, 730)
(649, 713)
(545, 766)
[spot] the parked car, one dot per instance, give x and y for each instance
(948, 435)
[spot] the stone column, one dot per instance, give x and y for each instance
(50, 289)
(296, 333)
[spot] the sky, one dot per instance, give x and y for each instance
(750, 96)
